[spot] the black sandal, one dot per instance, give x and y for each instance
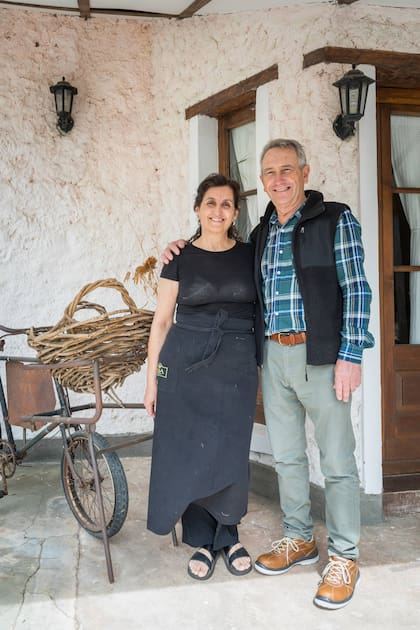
(229, 559)
(201, 557)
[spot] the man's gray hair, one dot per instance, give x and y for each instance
(285, 143)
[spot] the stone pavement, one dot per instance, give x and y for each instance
(53, 574)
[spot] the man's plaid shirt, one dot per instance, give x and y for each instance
(283, 305)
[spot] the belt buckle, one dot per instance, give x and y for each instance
(279, 339)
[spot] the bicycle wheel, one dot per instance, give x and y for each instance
(79, 486)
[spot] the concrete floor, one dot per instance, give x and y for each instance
(53, 574)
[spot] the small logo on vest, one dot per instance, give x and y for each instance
(162, 371)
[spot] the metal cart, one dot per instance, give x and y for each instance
(93, 477)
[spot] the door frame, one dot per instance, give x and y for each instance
(398, 474)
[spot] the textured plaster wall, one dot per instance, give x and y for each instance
(95, 203)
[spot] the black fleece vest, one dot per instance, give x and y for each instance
(313, 250)
(314, 261)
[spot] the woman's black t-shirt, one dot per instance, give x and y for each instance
(214, 280)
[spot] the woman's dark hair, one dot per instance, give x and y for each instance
(215, 180)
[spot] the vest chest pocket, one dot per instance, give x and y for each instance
(314, 245)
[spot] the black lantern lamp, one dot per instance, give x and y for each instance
(353, 88)
(63, 94)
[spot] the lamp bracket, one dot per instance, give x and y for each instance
(65, 122)
(343, 127)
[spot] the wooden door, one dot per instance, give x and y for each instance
(399, 197)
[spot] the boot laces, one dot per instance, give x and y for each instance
(284, 544)
(336, 572)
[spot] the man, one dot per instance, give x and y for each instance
(316, 300)
(312, 327)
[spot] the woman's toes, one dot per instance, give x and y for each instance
(241, 564)
(200, 568)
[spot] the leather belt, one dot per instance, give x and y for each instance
(289, 339)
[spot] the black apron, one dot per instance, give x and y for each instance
(207, 386)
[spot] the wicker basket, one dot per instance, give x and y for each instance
(120, 337)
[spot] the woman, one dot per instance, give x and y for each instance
(203, 397)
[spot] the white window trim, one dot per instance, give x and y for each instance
(371, 430)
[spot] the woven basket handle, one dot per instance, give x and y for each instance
(90, 306)
(109, 283)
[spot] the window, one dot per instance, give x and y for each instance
(237, 159)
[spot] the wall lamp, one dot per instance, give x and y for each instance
(353, 88)
(63, 95)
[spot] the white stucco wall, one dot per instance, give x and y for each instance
(84, 206)
(97, 202)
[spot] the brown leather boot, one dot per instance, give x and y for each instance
(337, 584)
(285, 554)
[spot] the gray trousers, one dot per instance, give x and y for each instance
(290, 389)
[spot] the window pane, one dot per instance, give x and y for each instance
(242, 156)
(406, 208)
(402, 232)
(405, 144)
(248, 216)
(407, 307)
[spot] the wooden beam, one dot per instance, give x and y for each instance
(393, 69)
(192, 8)
(84, 8)
(213, 105)
(332, 54)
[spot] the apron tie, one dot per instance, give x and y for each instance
(215, 339)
